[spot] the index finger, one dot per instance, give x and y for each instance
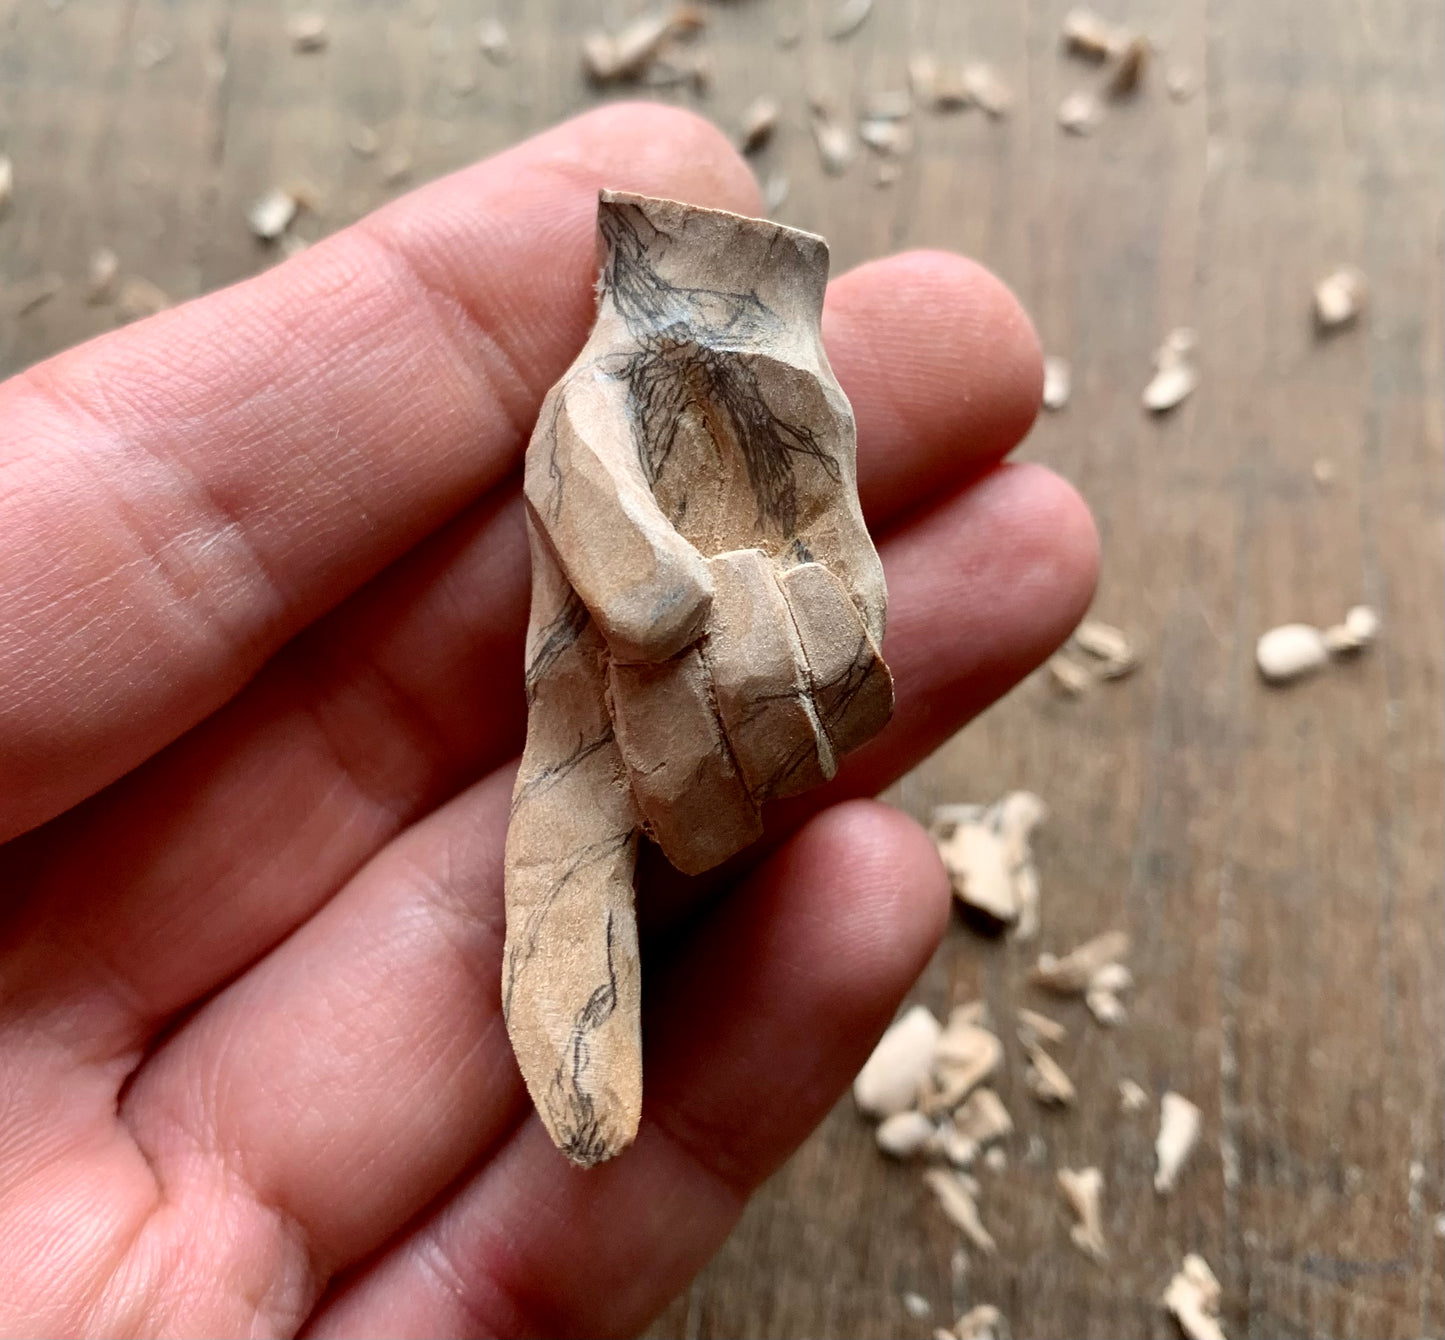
(179, 498)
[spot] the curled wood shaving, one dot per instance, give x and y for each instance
(1132, 1097)
(1108, 644)
(307, 31)
(1290, 652)
(1070, 975)
(956, 1147)
(906, 1134)
(1170, 386)
(1128, 71)
(848, 18)
(971, 1012)
(7, 182)
(272, 214)
(964, 1057)
(627, 53)
(1193, 1298)
(101, 273)
(983, 1118)
(1083, 1190)
(835, 143)
(984, 1322)
(1046, 1079)
(1081, 112)
(1179, 1125)
(955, 1195)
(495, 42)
(1034, 1029)
(986, 89)
(757, 123)
(892, 1076)
(1339, 298)
(1058, 381)
(1102, 995)
(1068, 677)
(1086, 34)
(885, 135)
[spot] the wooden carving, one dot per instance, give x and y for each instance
(707, 609)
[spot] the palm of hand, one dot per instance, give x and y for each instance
(264, 635)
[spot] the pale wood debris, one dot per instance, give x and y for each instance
(986, 851)
(984, 1322)
(983, 1118)
(27, 295)
(916, 1305)
(886, 135)
(775, 191)
(1175, 376)
(986, 89)
(396, 167)
(1085, 34)
(1102, 995)
(1070, 975)
(1127, 73)
(1058, 381)
(955, 1147)
(995, 1159)
(956, 1196)
(1132, 1097)
(363, 140)
(495, 42)
(140, 298)
(1083, 1191)
(1360, 628)
(7, 182)
(964, 1057)
(1080, 112)
(307, 30)
(977, 861)
(1290, 652)
(757, 123)
(1179, 1126)
(973, 1012)
(1108, 645)
(1340, 298)
(1047, 1080)
(1034, 1028)
(627, 53)
(272, 214)
(906, 1134)
(101, 273)
(1067, 676)
(1193, 1298)
(836, 148)
(923, 79)
(894, 1074)
(1324, 471)
(848, 17)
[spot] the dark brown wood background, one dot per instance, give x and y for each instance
(1277, 856)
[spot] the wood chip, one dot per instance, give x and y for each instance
(626, 54)
(272, 214)
(923, 78)
(964, 1057)
(1179, 1126)
(495, 42)
(956, 1198)
(1290, 652)
(757, 123)
(1086, 34)
(980, 871)
(986, 89)
(1070, 975)
(396, 167)
(1104, 992)
(307, 30)
(1083, 1191)
(1340, 298)
(1046, 1079)
(1360, 628)
(1171, 385)
(1081, 112)
(1034, 1028)
(27, 295)
(1132, 1097)
(1109, 646)
(956, 1147)
(848, 18)
(1068, 677)
(973, 1012)
(140, 298)
(1324, 472)
(984, 1322)
(894, 1074)
(916, 1305)
(995, 1159)
(775, 191)
(1127, 73)
(905, 1135)
(983, 1118)
(1058, 381)
(101, 273)
(7, 182)
(886, 136)
(1193, 1298)
(835, 143)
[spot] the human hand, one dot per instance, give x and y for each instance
(264, 575)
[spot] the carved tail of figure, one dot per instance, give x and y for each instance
(571, 988)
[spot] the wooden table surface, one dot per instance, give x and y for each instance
(1275, 855)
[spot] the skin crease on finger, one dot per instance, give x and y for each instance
(293, 868)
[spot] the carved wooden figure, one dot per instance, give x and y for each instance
(707, 609)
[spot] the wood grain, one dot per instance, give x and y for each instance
(1276, 855)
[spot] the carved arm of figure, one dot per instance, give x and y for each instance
(706, 613)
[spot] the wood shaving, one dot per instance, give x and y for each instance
(364, 141)
(984, 1322)
(1102, 995)
(1034, 1028)
(775, 191)
(1070, 975)
(626, 54)
(495, 42)
(1086, 34)
(848, 18)
(987, 853)
(1083, 1191)
(956, 1147)
(986, 89)
(1046, 1079)
(1170, 386)
(27, 295)
(964, 1057)
(892, 104)
(1127, 72)
(7, 182)
(1180, 83)
(955, 1195)
(1081, 112)
(1290, 652)
(995, 1159)
(885, 135)
(1068, 677)
(396, 167)
(917, 1306)
(1324, 472)
(835, 143)
(272, 214)
(101, 273)
(977, 861)
(923, 79)
(1179, 1126)
(307, 31)
(1058, 381)
(140, 298)
(906, 1134)
(757, 123)
(971, 1012)
(1193, 1299)
(1109, 646)
(983, 1119)
(1132, 1097)
(1340, 298)
(1360, 628)
(893, 1075)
